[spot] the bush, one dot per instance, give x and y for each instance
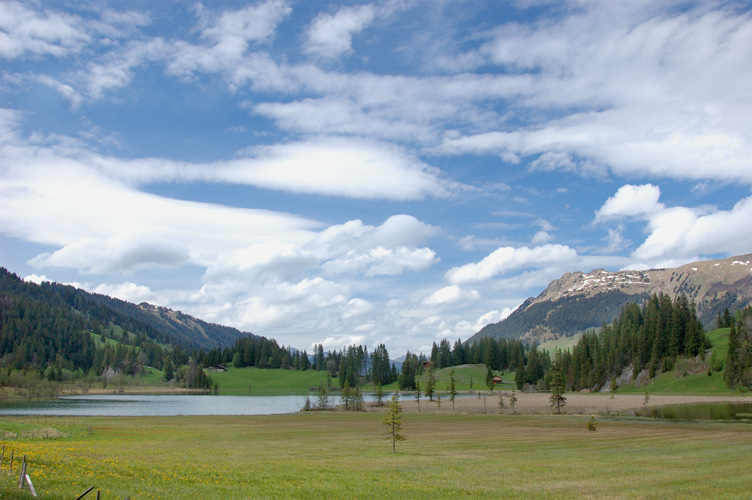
(592, 424)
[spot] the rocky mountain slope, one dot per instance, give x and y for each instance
(580, 301)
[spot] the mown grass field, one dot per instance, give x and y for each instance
(344, 455)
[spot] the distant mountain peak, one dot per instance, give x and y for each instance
(580, 301)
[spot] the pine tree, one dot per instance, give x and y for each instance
(452, 387)
(513, 401)
(730, 371)
(489, 379)
(393, 421)
(558, 384)
(417, 393)
(431, 384)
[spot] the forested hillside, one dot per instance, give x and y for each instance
(158, 323)
(553, 319)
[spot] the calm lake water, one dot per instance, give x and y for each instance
(703, 411)
(134, 405)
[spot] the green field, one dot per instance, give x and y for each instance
(258, 382)
(344, 455)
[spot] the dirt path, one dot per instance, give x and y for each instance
(531, 403)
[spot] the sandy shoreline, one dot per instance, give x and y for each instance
(537, 403)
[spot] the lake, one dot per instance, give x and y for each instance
(152, 405)
(701, 411)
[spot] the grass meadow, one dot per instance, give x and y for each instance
(331, 455)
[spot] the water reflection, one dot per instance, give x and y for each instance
(151, 405)
(701, 411)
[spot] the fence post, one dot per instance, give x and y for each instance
(84, 493)
(22, 476)
(31, 486)
(2, 456)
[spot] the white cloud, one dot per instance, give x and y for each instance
(24, 31)
(128, 291)
(324, 166)
(656, 91)
(450, 295)
(227, 37)
(681, 232)
(119, 253)
(35, 278)
(506, 259)
(541, 237)
(330, 35)
(631, 201)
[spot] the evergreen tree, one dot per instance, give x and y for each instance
(379, 395)
(452, 387)
(558, 384)
(430, 384)
(393, 421)
(489, 379)
(519, 375)
(417, 393)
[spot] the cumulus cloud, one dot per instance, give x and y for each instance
(330, 35)
(506, 259)
(685, 232)
(676, 234)
(631, 201)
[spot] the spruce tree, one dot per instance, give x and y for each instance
(393, 421)
(431, 384)
(452, 387)
(558, 384)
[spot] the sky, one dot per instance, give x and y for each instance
(397, 172)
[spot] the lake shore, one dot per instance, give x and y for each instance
(539, 403)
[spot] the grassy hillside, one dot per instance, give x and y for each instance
(344, 455)
(562, 343)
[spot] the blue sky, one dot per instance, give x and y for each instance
(396, 171)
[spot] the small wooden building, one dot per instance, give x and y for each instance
(496, 379)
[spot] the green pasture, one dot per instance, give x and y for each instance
(563, 343)
(259, 382)
(344, 455)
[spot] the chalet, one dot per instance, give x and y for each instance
(217, 368)
(496, 379)
(426, 365)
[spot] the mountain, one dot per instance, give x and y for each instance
(578, 301)
(158, 323)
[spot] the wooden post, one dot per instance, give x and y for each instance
(2, 456)
(22, 475)
(99, 492)
(31, 486)
(84, 493)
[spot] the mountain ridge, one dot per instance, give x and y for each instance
(579, 301)
(160, 323)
